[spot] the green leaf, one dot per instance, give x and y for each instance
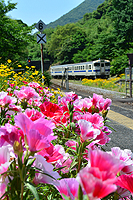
(74, 162)
(65, 197)
(32, 189)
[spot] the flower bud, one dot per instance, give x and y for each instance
(18, 149)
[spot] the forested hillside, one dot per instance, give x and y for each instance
(77, 13)
(105, 33)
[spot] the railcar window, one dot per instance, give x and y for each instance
(81, 67)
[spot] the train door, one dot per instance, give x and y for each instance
(102, 67)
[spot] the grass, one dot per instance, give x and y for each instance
(109, 84)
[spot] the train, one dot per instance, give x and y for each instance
(91, 69)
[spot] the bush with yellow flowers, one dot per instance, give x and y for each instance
(20, 75)
(111, 83)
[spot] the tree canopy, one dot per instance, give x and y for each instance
(14, 35)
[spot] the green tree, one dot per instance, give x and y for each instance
(122, 16)
(119, 64)
(14, 35)
(66, 41)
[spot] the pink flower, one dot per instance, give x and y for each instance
(84, 105)
(10, 134)
(71, 144)
(88, 132)
(3, 184)
(124, 156)
(97, 184)
(97, 122)
(33, 114)
(69, 97)
(4, 159)
(26, 93)
(51, 154)
(104, 161)
(95, 119)
(123, 193)
(49, 109)
(65, 161)
(15, 108)
(99, 177)
(4, 164)
(54, 111)
(5, 99)
(68, 187)
(126, 181)
(46, 168)
(99, 102)
(34, 85)
(38, 133)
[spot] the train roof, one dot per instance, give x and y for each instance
(82, 63)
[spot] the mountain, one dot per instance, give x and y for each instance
(77, 13)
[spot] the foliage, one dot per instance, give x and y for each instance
(15, 35)
(109, 84)
(122, 16)
(22, 76)
(65, 41)
(77, 13)
(119, 64)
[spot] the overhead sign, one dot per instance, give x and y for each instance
(40, 25)
(41, 38)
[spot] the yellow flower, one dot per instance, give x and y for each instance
(9, 61)
(19, 65)
(27, 67)
(43, 77)
(36, 72)
(32, 67)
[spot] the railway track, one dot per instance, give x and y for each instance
(86, 90)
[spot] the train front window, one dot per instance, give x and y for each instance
(107, 64)
(102, 64)
(97, 64)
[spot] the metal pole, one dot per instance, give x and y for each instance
(130, 56)
(130, 71)
(42, 63)
(67, 81)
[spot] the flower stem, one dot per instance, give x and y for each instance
(22, 190)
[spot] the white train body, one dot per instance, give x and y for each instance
(92, 69)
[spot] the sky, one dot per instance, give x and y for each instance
(31, 11)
